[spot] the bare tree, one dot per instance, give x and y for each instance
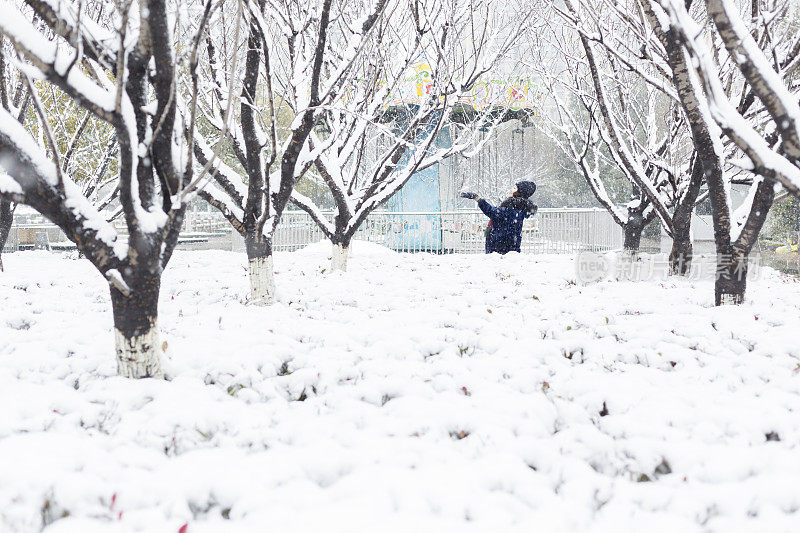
(576, 127)
(405, 109)
(695, 59)
(629, 117)
(124, 73)
(295, 64)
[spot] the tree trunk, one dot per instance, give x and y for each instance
(682, 253)
(633, 233)
(260, 269)
(339, 257)
(136, 329)
(339, 254)
(6, 219)
(733, 258)
(731, 277)
(680, 257)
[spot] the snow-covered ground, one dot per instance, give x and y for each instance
(413, 393)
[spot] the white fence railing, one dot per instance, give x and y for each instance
(41, 236)
(550, 231)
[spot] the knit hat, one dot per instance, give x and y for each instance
(526, 188)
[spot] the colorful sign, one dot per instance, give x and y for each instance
(513, 92)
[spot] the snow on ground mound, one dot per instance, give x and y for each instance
(411, 393)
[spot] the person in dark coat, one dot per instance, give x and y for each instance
(504, 233)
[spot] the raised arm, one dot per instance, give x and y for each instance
(489, 210)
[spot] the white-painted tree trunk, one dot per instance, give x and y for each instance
(139, 356)
(730, 299)
(262, 281)
(339, 257)
(627, 266)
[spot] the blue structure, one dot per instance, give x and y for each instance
(420, 194)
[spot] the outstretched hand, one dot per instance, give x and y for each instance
(469, 195)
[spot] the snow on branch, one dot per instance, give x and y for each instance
(411, 84)
(78, 29)
(771, 89)
(766, 161)
(28, 176)
(56, 63)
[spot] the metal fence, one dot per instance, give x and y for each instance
(44, 236)
(550, 231)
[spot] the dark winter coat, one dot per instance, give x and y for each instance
(505, 227)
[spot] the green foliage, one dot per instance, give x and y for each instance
(66, 118)
(312, 186)
(782, 220)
